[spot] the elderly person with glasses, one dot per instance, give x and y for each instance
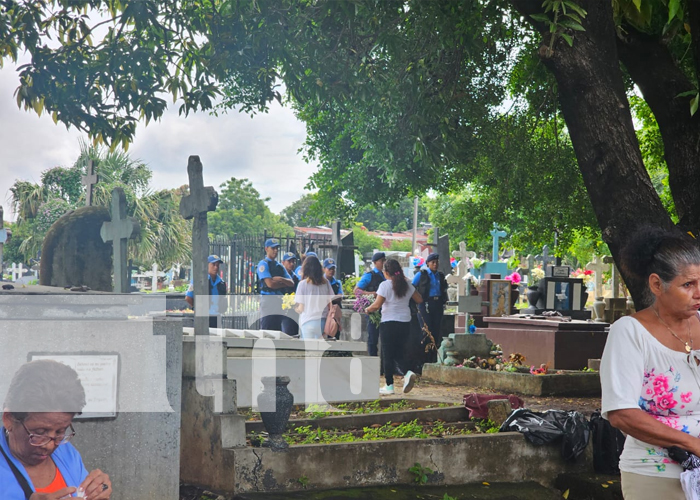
(37, 462)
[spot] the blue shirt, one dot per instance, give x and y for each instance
(367, 278)
(334, 281)
(265, 271)
(67, 460)
(213, 290)
(434, 282)
(297, 271)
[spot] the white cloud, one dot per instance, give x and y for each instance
(263, 149)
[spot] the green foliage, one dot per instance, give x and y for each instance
(241, 210)
(395, 218)
(303, 481)
(485, 425)
(400, 246)
(365, 242)
(566, 16)
(299, 213)
(349, 285)
(420, 473)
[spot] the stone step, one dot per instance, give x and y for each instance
(590, 486)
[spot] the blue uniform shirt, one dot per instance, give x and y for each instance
(264, 271)
(297, 271)
(434, 282)
(334, 281)
(213, 290)
(367, 278)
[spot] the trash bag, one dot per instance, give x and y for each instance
(539, 428)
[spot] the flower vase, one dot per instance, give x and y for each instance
(514, 296)
(275, 403)
(599, 309)
(533, 295)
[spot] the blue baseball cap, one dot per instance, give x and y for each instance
(289, 256)
(311, 254)
(214, 258)
(329, 264)
(432, 257)
(377, 256)
(272, 243)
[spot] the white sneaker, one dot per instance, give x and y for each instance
(408, 381)
(387, 389)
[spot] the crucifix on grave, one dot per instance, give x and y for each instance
(598, 266)
(17, 271)
(496, 234)
(154, 278)
(89, 181)
(119, 231)
(195, 206)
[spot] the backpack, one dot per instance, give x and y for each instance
(332, 327)
(608, 443)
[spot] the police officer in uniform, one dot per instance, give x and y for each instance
(432, 286)
(368, 284)
(290, 322)
(329, 268)
(217, 287)
(274, 279)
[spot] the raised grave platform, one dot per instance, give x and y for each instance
(559, 344)
(570, 383)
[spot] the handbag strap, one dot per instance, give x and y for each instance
(28, 492)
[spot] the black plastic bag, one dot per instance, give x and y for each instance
(539, 428)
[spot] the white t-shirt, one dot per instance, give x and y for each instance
(315, 299)
(638, 371)
(395, 308)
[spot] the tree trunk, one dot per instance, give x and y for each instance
(657, 75)
(595, 107)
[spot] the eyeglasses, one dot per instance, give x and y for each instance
(42, 439)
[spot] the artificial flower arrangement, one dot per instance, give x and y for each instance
(586, 275)
(477, 263)
(514, 278)
(536, 274)
(288, 301)
(361, 305)
(475, 282)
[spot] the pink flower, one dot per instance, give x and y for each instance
(685, 396)
(660, 385)
(666, 401)
(671, 422)
(514, 278)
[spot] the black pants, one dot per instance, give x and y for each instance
(290, 325)
(372, 338)
(215, 321)
(432, 312)
(272, 322)
(394, 335)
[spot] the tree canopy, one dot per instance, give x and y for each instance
(404, 96)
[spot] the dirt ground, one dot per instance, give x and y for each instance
(425, 389)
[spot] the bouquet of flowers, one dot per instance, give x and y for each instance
(585, 275)
(288, 301)
(536, 274)
(362, 303)
(514, 278)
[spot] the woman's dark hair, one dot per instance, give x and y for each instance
(398, 279)
(653, 250)
(311, 270)
(44, 386)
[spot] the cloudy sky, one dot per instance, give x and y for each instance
(263, 149)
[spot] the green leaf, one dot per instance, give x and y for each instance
(569, 39)
(543, 18)
(572, 25)
(688, 93)
(674, 7)
(694, 105)
(572, 5)
(638, 4)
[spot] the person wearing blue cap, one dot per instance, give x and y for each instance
(274, 279)
(369, 284)
(432, 287)
(290, 322)
(297, 271)
(217, 287)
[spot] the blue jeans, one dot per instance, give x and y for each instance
(312, 330)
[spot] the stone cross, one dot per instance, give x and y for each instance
(598, 266)
(545, 257)
(453, 279)
(119, 231)
(496, 235)
(17, 271)
(463, 256)
(3, 238)
(154, 279)
(195, 206)
(89, 181)
(614, 276)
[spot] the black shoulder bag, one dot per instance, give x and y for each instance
(18, 475)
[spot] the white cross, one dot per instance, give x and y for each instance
(463, 256)
(17, 271)
(598, 267)
(89, 181)
(154, 280)
(119, 230)
(496, 235)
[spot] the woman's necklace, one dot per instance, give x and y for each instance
(688, 344)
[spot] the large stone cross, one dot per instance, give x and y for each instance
(119, 231)
(154, 279)
(195, 206)
(89, 181)
(545, 257)
(614, 276)
(598, 266)
(17, 271)
(496, 235)
(463, 257)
